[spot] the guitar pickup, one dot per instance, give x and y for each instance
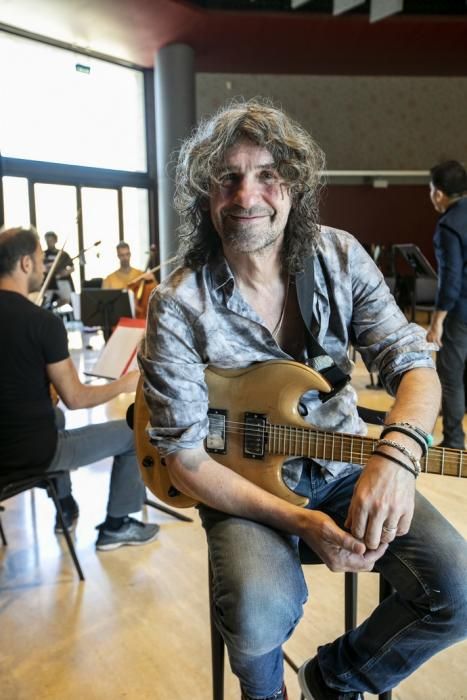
(255, 436)
(216, 439)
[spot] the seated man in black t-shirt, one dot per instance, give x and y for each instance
(33, 354)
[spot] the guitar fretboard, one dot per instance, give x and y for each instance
(342, 447)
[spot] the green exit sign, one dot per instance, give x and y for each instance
(81, 68)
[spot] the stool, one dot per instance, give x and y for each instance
(350, 621)
(11, 486)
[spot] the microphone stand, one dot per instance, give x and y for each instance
(85, 250)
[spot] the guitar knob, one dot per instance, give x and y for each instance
(148, 461)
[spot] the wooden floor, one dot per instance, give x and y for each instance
(137, 628)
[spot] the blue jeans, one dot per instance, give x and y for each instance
(259, 591)
(450, 363)
(81, 446)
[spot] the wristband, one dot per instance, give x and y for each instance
(404, 450)
(427, 437)
(396, 461)
(396, 428)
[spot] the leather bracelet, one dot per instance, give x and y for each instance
(427, 437)
(397, 428)
(396, 461)
(403, 450)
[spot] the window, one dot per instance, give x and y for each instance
(56, 211)
(136, 224)
(16, 201)
(100, 223)
(65, 107)
(69, 121)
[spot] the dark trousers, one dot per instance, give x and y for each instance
(450, 364)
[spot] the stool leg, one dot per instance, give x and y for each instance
(385, 590)
(351, 589)
(69, 541)
(217, 650)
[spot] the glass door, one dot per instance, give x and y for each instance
(57, 211)
(100, 223)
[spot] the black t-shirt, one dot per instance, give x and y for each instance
(31, 338)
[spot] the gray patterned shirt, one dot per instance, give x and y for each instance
(200, 318)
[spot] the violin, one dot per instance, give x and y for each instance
(142, 287)
(38, 297)
(38, 301)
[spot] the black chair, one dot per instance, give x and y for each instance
(350, 621)
(12, 486)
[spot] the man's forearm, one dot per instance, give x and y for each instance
(417, 402)
(195, 473)
(418, 399)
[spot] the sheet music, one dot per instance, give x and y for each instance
(118, 356)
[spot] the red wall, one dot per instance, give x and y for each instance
(396, 214)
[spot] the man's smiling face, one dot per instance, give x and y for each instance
(251, 203)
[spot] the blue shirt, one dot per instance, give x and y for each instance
(200, 318)
(450, 244)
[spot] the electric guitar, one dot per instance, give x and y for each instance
(255, 425)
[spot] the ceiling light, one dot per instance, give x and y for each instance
(341, 6)
(379, 9)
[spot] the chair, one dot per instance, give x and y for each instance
(11, 486)
(350, 621)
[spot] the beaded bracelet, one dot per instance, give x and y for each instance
(396, 461)
(427, 438)
(396, 428)
(404, 450)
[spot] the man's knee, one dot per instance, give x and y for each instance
(259, 621)
(449, 605)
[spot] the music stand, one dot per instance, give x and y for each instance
(421, 280)
(104, 307)
(414, 257)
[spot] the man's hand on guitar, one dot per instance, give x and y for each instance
(382, 504)
(338, 549)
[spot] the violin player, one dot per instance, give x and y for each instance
(34, 353)
(126, 277)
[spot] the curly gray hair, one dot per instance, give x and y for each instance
(297, 157)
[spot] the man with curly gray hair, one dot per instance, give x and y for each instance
(262, 291)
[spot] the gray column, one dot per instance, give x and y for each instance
(174, 97)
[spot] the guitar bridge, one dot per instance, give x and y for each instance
(216, 439)
(255, 436)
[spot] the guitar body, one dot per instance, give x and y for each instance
(271, 390)
(255, 424)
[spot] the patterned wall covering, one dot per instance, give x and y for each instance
(362, 123)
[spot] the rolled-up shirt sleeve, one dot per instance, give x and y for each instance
(174, 385)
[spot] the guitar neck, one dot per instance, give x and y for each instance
(343, 447)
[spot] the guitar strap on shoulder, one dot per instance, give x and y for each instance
(318, 358)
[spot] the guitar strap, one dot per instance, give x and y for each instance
(318, 358)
